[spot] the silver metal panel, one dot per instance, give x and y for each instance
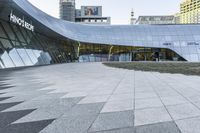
(183, 39)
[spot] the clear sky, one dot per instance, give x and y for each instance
(119, 10)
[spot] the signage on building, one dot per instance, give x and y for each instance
(21, 22)
(91, 10)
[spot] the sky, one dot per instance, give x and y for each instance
(118, 10)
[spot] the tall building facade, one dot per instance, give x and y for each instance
(190, 12)
(67, 10)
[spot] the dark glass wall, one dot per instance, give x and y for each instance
(20, 47)
(100, 52)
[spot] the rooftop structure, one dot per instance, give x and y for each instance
(91, 15)
(170, 19)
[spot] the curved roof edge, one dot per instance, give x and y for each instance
(128, 35)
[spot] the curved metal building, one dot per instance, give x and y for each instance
(29, 36)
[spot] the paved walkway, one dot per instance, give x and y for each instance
(90, 97)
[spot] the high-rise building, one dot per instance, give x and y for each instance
(190, 11)
(170, 19)
(67, 10)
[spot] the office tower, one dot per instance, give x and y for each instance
(67, 10)
(190, 11)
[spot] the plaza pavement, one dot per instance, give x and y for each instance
(93, 98)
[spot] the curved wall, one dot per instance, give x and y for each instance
(183, 39)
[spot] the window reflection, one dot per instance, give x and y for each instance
(32, 56)
(25, 57)
(16, 58)
(38, 54)
(6, 60)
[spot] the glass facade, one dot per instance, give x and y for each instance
(57, 41)
(20, 47)
(100, 52)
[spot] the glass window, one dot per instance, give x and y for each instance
(6, 44)
(1, 65)
(32, 56)
(16, 44)
(47, 58)
(24, 57)
(19, 35)
(2, 34)
(15, 57)
(6, 60)
(9, 31)
(38, 54)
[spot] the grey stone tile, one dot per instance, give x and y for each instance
(7, 118)
(75, 94)
(67, 102)
(167, 92)
(4, 84)
(165, 127)
(4, 98)
(32, 104)
(174, 100)
(121, 130)
(148, 103)
(197, 104)
(195, 98)
(94, 99)
(122, 97)
(101, 92)
(190, 125)
(52, 111)
(92, 83)
(145, 95)
(116, 106)
(70, 124)
(85, 109)
(124, 90)
(49, 96)
(4, 79)
(30, 127)
(183, 111)
(5, 87)
(4, 106)
(109, 121)
(25, 94)
(151, 116)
